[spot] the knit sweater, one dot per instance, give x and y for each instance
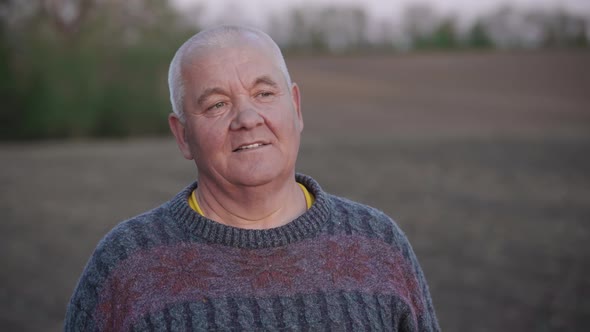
(341, 266)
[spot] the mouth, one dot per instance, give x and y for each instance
(250, 146)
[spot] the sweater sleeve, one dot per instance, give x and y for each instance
(78, 317)
(81, 310)
(423, 316)
(427, 321)
(395, 257)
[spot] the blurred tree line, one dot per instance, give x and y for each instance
(98, 68)
(348, 28)
(86, 68)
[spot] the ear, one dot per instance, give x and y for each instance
(179, 130)
(296, 98)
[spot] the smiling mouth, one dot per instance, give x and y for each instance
(250, 146)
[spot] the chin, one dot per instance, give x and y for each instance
(253, 180)
(257, 176)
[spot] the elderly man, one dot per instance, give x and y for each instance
(251, 245)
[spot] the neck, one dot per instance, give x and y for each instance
(258, 207)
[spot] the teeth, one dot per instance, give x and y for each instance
(251, 146)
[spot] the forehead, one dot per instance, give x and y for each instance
(243, 61)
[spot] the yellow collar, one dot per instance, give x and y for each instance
(194, 204)
(309, 199)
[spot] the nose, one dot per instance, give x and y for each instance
(246, 117)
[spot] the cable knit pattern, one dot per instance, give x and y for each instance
(341, 266)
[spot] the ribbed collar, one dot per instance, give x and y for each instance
(305, 226)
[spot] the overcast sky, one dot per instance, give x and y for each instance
(256, 11)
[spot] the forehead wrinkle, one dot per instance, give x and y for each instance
(269, 74)
(243, 71)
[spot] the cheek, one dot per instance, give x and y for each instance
(208, 140)
(283, 123)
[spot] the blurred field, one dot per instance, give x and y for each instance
(483, 159)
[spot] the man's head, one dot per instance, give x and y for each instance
(236, 112)
(219, 37)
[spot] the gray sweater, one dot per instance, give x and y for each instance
(341, 266)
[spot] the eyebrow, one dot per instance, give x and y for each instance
(208, 92)
(265, 80)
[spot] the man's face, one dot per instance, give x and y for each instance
(242, 120)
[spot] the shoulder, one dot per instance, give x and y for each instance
(129, 236)
(134, 233)
(354, 218)
(159, 226)
(346, 209)
(150, 229)
(350, 208)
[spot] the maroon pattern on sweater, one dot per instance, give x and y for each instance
(149, 280)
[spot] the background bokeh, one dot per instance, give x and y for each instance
(470, 127)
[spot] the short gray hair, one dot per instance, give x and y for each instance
(221, 36)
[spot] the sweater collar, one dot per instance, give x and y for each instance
(305, 226)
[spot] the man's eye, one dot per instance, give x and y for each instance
(265, 94)
(217, 106)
